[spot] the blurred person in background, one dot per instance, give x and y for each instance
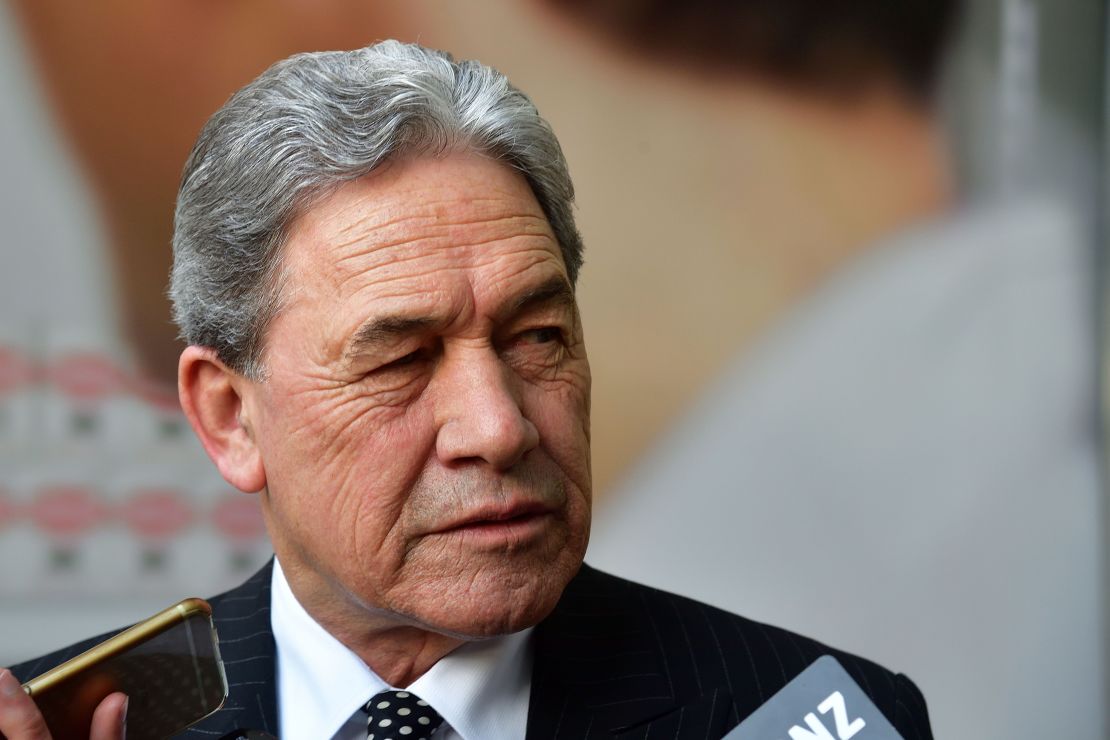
(915, 443)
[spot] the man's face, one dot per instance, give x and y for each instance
(424, 422)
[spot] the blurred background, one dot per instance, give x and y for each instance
(842, 298)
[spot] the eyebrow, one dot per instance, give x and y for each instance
(384, 331)
(555, 290)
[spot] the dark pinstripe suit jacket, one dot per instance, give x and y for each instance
(614, 660)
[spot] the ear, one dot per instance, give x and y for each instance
(212, 399)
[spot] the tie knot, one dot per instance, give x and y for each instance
(400, 715)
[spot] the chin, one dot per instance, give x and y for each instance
(499, 601)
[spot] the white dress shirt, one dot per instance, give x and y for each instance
(481, 689)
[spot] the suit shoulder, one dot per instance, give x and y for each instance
(707, 645)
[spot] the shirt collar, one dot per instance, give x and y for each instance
(481, 689)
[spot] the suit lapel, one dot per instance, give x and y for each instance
(242, 619)
(601, 671)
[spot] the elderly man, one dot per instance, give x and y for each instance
(374, 266)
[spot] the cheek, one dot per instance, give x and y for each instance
(561, 413)
(343, 452)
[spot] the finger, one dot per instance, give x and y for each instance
(20, 719)
(109, 721)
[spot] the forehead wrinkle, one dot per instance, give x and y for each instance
(432, 250)
(418, 205)
(506, 277)
(426, 272)
(436, 230)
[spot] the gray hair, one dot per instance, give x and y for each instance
(305, 126)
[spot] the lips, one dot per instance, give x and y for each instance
(500, 515)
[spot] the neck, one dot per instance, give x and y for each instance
(397, 651)
(399, 654)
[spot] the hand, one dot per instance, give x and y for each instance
(20, 719)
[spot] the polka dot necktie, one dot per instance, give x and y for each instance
(400, 715)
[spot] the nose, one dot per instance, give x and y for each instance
(481, 418)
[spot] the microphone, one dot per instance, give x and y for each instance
(821, 703)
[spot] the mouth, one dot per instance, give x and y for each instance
(513, 523)
(501, 515)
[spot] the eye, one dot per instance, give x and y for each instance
(406, 360)
(534, 352)
(542, 335)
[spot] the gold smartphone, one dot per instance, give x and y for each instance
(169, 666)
